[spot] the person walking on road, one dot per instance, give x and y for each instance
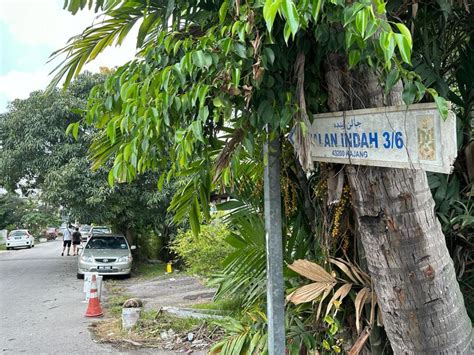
(67, 238)
(76, 240)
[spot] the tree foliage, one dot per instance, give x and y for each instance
(33, 134)
(211, 76)
(37, 152)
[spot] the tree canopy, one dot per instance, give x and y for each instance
(210, 78)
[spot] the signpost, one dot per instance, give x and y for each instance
(274, 244)
(413, 137)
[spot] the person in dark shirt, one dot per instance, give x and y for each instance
(76, 240)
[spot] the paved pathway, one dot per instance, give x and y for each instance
(40, 305)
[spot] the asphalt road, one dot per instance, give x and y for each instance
(40, 304)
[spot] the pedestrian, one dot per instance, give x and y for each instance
(76, 240)
(67, 238)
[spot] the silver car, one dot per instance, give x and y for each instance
(107, 254)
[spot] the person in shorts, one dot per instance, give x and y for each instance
(67, 239)
(76, 240)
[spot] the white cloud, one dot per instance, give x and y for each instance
(17, 84)
(45, 23)
(38, 22)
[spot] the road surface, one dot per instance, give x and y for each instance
(40, 304)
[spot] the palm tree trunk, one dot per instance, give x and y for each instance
(422, 306)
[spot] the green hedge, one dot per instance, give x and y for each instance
(203, 254)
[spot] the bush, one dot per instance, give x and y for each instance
(203, 254)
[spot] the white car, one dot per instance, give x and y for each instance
(84, 230)
(20, 238)
(96, 230)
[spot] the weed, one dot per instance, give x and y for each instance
(148, 271)
(115, 302)
(226, 305)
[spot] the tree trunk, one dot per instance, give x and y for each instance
(422, 306)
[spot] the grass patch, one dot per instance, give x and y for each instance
(152, 323)
(3, 247)
(115, 302)
(231, 305)
(148, 271)
(114, 287)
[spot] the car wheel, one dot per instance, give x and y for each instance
(8, 248)
(33, 246)
(29, 246)
(79, 276)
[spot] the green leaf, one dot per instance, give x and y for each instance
(421, 90)
(409, 93)
(269, 55)
(354, 58)
(270, 10)
(127, 151)
(361, 21)
(405, 32)
(240, 50)
(74, 127)
(223, 11)
(287, 32)
(203, 114)
(387, 44)
(144, 29)
(371, 28)
(236, 76)
(161, 182)
(217, 102)
(111, 131)
(403, 46)
(315, 9)
(201, 59)
(442, 106)
(197, 131)
(392, 79)
(350, 38)
(111, 178)
(291, 15)
(380, 6)
(227, 45)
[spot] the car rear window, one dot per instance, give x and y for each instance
(17, 233)
(107, 243)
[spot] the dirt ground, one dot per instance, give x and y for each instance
(171, 290)
(168, 290)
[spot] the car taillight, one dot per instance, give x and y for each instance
(8, 237)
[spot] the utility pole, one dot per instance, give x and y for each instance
(273, 236)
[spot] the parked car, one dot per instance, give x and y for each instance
(61, 230)
(96, 230)
(107, 254)
(84, 230)
(20, 238)
(51, 233)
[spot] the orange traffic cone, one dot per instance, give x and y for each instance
(94, 309)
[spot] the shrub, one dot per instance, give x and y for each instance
(203, 254)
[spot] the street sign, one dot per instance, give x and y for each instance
(413, 137)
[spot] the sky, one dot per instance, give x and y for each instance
(30, 30)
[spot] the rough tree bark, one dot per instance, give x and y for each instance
(414, 279)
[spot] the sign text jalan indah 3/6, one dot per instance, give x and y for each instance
(373, 140)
